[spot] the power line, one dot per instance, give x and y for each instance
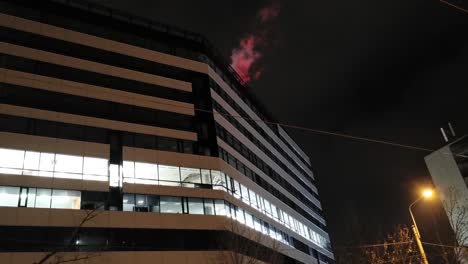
(298, 127)
(454, 6)
(442, 245)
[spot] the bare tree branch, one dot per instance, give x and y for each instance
(71, 246)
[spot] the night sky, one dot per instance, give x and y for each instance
(392, 70)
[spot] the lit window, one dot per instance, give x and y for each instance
(129, 169)
(31, 197)
(128, 202)
(236, 189)
(245, 194)
(172, 205)
(209, 207)
(253, 199)
(206, 177)
(9, 196)
(146, 171)
(68, 163)
(218, 180)
(10, 158)
(46, 164)
(95, 166)
(169, 175)
(43, 198)
(220, 208)
(240, 215)
(31, 163)
(249, 220)
(195, 206)
(189, 175)
(66, 199)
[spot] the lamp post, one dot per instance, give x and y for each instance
(426, 194)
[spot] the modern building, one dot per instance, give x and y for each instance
(448, 167)
(121, 136)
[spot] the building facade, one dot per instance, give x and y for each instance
(448, 167)
(137, 124)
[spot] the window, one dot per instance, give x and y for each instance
(249, 220)
(43, 198)
(236, 189)
(153, 203)
(9, 196)
(195, 206)
(31, 197)
(94, 200)
(220, 208)
(253, 199)
(129, 171)
(141, 204)
(245, 194)
(172, 205)
(167, 144)
(95, 169)
(128, 202)
(68, 166)
(169, 175)
(218, 179)
(66, 199)
(31, 163)
(205, 176)
(46, 164)
(146, 171)
(10, 158)
(209, 207)
(189, 175)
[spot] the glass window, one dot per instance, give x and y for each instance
(257, 224)
(141, 204)
(9, 196)
(31, 163)
(267, 207)
(220, 208)
(31, 198)
(43, 198)
(10, 158)
(171, 205)
(93, 200)
(218, 181)
(189, 175)
(23, 196)
(249, 220)
(153, 203)
(128, 202)
(274, 212)
(245, 194)
(195, 206)
(68, 163)
(236, 189)
(46, 164)
(129, 169)
(145, 170)
(240, 215)
(66, 199)
(209, 207)
(95, 166)
(253, 199)
(206, 177)
(169, 175)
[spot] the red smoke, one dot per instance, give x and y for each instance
(269, 13)
(244, 58)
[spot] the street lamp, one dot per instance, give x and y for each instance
(426, 194)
